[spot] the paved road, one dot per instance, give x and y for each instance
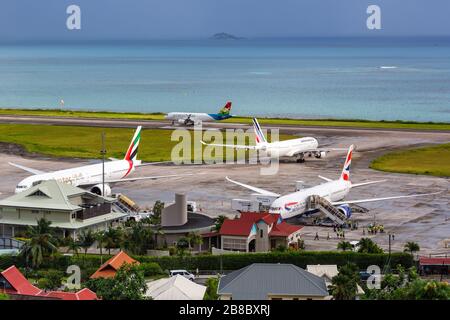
(163, 124)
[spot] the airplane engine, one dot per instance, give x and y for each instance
(98, 188)
(345, 209)
(321, 154)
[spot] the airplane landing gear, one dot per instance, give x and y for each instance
(300, 159)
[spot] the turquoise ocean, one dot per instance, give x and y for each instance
(347, 78)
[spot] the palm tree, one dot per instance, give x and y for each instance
(137, 238)
(412, 247)
(41, 245)
(366, 245)
(86, 240)
(158, 231)
(218, 223)
(344, 245)
(73, 245)
(194, 238)
(344, 286)
(100, 238)
(113, 239)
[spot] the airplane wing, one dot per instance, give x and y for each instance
(255, 189)
(151, 163)
(354, 185)
(325, 178)
(381, 199)
(134, 179)
(31, 170)
(236, 146)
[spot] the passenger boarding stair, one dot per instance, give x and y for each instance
(125, 205)
(317, 202)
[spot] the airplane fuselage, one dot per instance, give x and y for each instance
(294, 204)
(85, 175)
(195, 117)
(289, 148)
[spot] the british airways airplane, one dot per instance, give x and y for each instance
(334, 191)
(191, 118)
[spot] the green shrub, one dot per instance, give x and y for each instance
(301, 259)
(150, 269)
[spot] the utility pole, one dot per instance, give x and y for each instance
(103, 153)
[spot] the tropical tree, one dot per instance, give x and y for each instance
(128, 284)
(366, 245)
(86, 240)
(406, 285)
(4, 296)
(137, 238)
(412, 247)
(182, 245)
(158, 231)
(41, 244)
(218, 223)
(194, 238)
(344, 286)
(157, 211)
(73, 245)
(344, 245)
(113, 239)
(211, 289)
(100, 238)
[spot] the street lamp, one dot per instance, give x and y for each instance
(103, 153)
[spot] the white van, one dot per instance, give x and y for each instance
(183, 273)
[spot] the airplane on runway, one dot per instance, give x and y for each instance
(332, 191)
(297, 148)
(192, 118)
(91, 176)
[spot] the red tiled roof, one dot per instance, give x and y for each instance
(236, 227)
(83, 294)
(434, 261)
(110, 267)
(283, 229)
(20, 284)
(242, 226)
(23, 287)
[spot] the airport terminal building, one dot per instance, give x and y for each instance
(69, 208)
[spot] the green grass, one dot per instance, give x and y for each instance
(348, 123)
(303, 122)
(83, 114)
(434, 161)
(85, 142)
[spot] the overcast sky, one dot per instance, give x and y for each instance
(156, 19)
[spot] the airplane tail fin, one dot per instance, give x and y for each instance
(133, 148)
(226, 109)
(345, 175)
(259, 135)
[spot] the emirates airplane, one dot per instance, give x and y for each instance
(91, 176)
(297, 148)
(334, 191)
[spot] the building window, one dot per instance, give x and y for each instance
(234, 244)
(261, 233)
(35, 211)
(73, 215)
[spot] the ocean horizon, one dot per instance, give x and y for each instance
(341, 78)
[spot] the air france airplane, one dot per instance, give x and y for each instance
(91, 176)
(334, 191)
(190, 118)
(297, 148)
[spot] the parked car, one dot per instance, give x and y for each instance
(183, 273)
